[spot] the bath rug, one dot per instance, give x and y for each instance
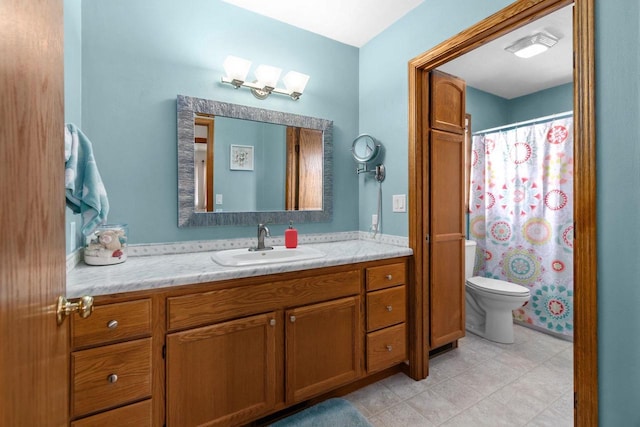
(333, 412)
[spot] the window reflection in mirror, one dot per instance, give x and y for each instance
(285, 173)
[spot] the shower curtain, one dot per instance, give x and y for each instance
(521, 216)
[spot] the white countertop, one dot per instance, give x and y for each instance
(161, 271)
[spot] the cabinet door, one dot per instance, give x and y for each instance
(323, 347)
(447, 238)
(447, 102)
(222, 374)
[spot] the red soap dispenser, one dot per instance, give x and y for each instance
(290, 237)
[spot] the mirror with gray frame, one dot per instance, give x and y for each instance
(240, 165)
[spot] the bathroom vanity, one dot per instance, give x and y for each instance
(225, 346)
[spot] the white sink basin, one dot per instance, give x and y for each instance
(240, 257)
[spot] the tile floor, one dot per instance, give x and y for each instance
(481, 383)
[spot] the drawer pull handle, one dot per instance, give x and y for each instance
(112, 324)
(113, 378)
(389, 308)
(292, 318)
(389, 348)
(388, 277)
(272, 322)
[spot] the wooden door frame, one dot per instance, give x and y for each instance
(209, 122)
(585, 256)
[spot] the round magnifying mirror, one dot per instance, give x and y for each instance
(365, 149)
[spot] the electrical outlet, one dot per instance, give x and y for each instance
(399, 203)
(374, 220)
(218, 199)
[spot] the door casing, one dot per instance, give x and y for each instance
(585, 254)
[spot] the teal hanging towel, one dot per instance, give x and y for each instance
(85, 192)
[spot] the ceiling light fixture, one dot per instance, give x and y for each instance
(236, 70)
(532, 45)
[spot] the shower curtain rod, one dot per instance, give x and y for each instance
(526, 122)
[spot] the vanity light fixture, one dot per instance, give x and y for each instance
(532, 45)
(236, 70)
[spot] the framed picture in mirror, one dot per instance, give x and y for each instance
(241, 158)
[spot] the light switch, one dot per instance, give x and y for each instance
(218, 199)
(399, 203)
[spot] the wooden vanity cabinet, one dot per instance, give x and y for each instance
(228, 353)
(386, 310)
(279, 353)
(111, 365)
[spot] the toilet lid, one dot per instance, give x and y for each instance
(496, 286)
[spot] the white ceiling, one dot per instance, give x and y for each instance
(492, 69)
(488, 68)
(353, 22)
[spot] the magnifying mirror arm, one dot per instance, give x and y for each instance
(379, 171)
(362, 168)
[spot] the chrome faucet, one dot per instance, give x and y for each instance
(263, 232)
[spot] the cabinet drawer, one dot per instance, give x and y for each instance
(134, 415)
(386, 276)
(224, 304)
(386, 307)
(109, 376)
(386, 347)
(112, 322)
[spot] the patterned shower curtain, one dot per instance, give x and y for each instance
(521, 216)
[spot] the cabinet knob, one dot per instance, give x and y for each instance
(388, 277)
(292, 318)
(113, 378)
(272, 322)
(389, 308)
(112, 324)
(389, 348)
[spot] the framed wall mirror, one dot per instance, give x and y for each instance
(240, 165)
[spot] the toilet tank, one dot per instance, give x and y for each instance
(469, 258)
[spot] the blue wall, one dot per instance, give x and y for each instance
(489, 111)
(238, 187)
(155, 60)
(271, 159)
(137, 56)
(262, 188)
(72, 93)
(73, 61)
(554, 100)
(618, 207)
(384, 93)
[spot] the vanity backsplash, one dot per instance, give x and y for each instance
(148, 249)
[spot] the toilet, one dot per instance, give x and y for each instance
(490, 302)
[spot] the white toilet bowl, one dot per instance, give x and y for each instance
(490, 302)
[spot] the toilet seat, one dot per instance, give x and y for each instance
(493, 286)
